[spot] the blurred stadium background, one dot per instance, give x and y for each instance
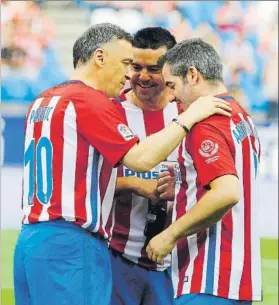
(36, 53)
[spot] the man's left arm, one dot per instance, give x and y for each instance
(216, 171)
(224, 193)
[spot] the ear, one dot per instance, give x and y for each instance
(100, 57)
(192, 75)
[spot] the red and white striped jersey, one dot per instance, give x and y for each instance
(130, 212)
(223, 260)
(74, 136)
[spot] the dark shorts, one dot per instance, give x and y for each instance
(59, 263)
(134, 285)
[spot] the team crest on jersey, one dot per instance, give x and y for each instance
(208, 148)
(125, 131)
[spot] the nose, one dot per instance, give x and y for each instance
(128, 73)
(171, 96)
(144, 76)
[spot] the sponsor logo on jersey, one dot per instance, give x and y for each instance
(208, 148)
(125, 132)
(154, 173)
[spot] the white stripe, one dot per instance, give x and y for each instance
(191, 195)
(217, 256)
(174, 260)
(108, 199)
(29, 135)
(238, 226)
(137, 222)
(135, 119)
(257, 143)
(113, 218)
(69, 164)
(255, 235)
(204, 268)
(46, 133)
(88, 188)
(139, 205)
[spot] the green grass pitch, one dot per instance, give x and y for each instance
(269, 266)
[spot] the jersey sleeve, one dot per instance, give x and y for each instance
(101, 123)
(211, 153)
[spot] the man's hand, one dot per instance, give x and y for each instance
(202, 108)
(146, 188)
(166, 184)
(160, 246)
(142, 187)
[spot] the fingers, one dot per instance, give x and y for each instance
(223, 106)
(163, 174)
(222, 112)
(171, 170)
(154, 257)
(163, 181)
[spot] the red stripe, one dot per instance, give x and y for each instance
(122, 225)
(57, 125)
(183, 257)
(196, 280)
(153, 121)
(37, 207)
(225, 255)
(245, 291)
(226, 238)
(80, 180)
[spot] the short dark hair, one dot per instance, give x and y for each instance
(153, 38)
(197, 53)
(94, 38)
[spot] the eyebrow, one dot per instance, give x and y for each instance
(127, 60)
(149, 66)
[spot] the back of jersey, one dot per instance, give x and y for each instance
(73, 140)
(42, 128)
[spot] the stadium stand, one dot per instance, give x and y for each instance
(246, 39)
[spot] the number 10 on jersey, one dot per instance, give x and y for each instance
(39, 158)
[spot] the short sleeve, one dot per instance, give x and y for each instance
(102, 124)
(212, 155)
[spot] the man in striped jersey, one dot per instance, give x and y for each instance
(147, 109)
(216, 259)
(74, 136)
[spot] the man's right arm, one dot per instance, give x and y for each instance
(103, 126)
(157, 147)
(142, 187)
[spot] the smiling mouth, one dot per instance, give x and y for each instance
(146, 86)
